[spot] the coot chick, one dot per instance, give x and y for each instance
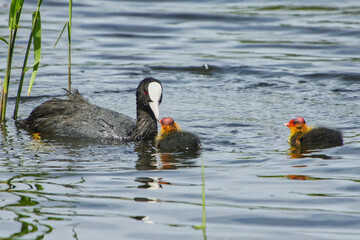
(302, 136)
(173, 139)
(76, 117)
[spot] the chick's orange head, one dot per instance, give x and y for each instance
(167, 121)
(168, 126)
(296, 124)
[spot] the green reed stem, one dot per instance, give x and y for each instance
(22, 78)
(68, 26)
(69, 39)
(203, 225)
(3, 100)
(203, 200)
(35, 35)
(14, 18)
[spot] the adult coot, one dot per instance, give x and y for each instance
(76, 117)
(173, 139)
(302, 136)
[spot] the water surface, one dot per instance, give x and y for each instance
(233, 72)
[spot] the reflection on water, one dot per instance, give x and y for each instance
(295, 177)
(151, 182)
(149, 158)
(146, 155)
(306, 153)
(18, 190)
(3, 131)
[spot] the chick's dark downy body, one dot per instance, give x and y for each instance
(318, 137)
(173, 139)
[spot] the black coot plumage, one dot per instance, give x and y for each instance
(173, 139)
(76, 117)
(302, 136)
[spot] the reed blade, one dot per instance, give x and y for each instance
(69, 39)
(15, 7)
(14, 18)
(4, 40)
(35, 37)
(37, 48)
(203, 200)
(61, 33)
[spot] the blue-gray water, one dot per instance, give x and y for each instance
(233, 72)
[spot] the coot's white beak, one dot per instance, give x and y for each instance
(155, 108)
(155, 92)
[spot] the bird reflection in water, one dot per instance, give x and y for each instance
(151, 182)
(295, 153)
(150, 159)
(145, 219)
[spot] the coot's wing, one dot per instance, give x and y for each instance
(76, 117)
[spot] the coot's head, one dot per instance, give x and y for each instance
(149, 96)
(297, 124)
(168, 126)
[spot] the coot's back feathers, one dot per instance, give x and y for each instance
(76, 117)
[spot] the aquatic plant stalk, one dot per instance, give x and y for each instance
(68, 26)
(35, 35)
(203, 225)
(203, 200)
(37, 46)
(14, 18)
(69, 39)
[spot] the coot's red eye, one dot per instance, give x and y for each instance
(146, 92)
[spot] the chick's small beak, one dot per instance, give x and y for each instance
(286, 124)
